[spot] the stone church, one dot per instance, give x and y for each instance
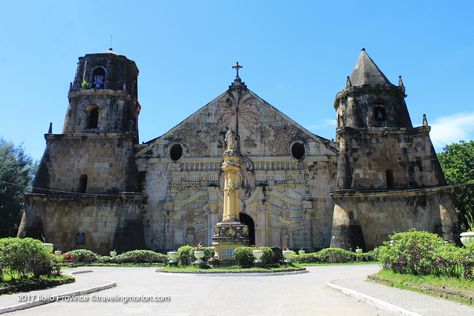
(97, 187)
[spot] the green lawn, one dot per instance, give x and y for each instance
(230, 269)
(459, 290)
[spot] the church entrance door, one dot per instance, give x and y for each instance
(247, 220)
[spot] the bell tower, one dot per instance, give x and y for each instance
(388, 176)
(85, 191)
(104, 96)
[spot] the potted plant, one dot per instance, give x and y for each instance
(257, 253)
(287, 254)
(199, 254)
(468, 237)
(173, 257)
(113, 253)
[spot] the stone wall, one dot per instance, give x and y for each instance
(367, 219)
(367, 154)
(108, 221)
(107, 160)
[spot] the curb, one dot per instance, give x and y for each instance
(385, 306)
(54, 298)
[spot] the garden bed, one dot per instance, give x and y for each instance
(231, 269)
(9, 286)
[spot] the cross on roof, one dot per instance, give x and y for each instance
(237, 67)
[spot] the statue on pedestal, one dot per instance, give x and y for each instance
(230, 233)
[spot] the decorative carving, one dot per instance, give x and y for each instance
(249, 142)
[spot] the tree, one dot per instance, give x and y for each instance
(16, 172)
(457, 162)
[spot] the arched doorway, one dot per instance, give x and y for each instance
(247, 220)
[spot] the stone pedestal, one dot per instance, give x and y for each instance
(227, 237)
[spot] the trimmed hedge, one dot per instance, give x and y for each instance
(83, 256)
(140, 256)
(335, 255)
(25, 256)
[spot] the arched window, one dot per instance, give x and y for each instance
(297, 150)
(82, 183)
(98, 78)
(93, 117)
(379, 113)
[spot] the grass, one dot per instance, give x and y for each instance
(454, 289)
(312, 264)
(230, 269)
(12, 284)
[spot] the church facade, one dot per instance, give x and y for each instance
(97, 187)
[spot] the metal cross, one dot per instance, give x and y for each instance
(237, 67)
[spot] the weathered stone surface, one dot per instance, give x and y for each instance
(296, 188)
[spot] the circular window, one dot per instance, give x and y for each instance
(297, 150)
(176, 152)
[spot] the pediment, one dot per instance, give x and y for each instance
(263, 130)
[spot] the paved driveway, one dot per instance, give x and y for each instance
(302, 294)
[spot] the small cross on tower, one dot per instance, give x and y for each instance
(237, 67)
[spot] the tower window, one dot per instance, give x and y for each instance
(297, 150)
(82, 183)
(389, 177)
(93, 118)
(176, 152)
(98, 78)
(379, 113)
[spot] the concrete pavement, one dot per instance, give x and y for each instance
(303, 294)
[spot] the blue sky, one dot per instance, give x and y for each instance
(296, 55)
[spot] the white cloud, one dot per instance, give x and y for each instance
(451, 129)
(323, 124)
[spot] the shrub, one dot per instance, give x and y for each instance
(366, 256)
(336, 255)
(140, 256)
(106, 259)
(85, 84)
(24, 256)
(244, 256)
(468, 261)
(277, 256)
(84, 256)
(69, 257)
(185, 255)
(412, 252)
(208, 253)
(268, 258)
(312, 257)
